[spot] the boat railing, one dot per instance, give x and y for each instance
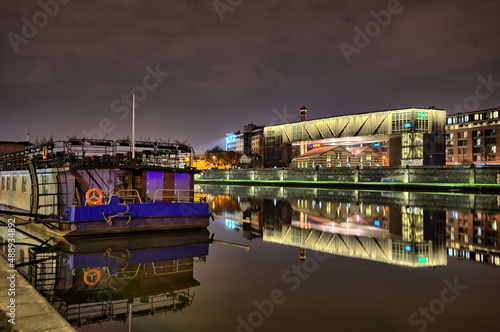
(172, 267)
(179, 196)
(101, 153)
(128, 196)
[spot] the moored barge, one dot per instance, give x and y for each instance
(88, 186)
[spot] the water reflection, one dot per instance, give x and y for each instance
(409, 229)
(99, 280)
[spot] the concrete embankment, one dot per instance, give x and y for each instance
(435, 179)
(32, 311)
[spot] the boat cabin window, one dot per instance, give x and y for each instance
(8, 183)
(122, 180)
(3, 183)
(14, 183)
(24, 183)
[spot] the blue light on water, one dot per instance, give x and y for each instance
(230, 224)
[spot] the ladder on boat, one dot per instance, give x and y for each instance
(49, 188)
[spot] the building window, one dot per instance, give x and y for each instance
(328, 159)
(24, 184)
(495, 114)
(465, 134)
(368, 164)
(449, 120)
(328, 165)
(339, 155)
(466, 118)
(368, 156)
(347, 158)
(339, 164)
(494, 149)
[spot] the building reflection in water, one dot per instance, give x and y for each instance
(120, 278)
(473, 235)
(355, 225)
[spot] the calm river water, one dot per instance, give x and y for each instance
(291, 260)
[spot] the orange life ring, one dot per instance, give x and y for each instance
(91, 198)
(94, 272)
(44, 152)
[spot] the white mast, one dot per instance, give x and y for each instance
(133, 127)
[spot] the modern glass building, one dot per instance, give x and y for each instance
(409, 136)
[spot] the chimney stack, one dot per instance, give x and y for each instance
(303, 112)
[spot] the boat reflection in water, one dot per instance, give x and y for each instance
(393, 228)
(116, 279)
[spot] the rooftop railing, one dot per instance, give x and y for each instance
(95, 153)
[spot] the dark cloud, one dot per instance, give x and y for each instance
(224, 74)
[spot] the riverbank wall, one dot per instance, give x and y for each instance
(423, 178)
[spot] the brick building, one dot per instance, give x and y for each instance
(471, 138)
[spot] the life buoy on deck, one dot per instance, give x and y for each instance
(44, 153)
(91, 273)
(94, 196)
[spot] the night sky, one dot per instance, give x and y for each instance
(219, 65)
